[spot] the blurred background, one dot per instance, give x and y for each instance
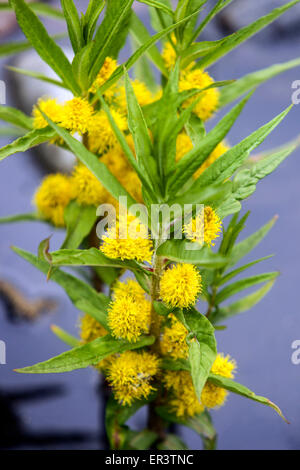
(65, 411)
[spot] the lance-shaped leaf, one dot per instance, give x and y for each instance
(79, 222)
(16, 117)
(99, 169)
(187, 166)
(87, 355)
(68, 339)
(215, 10)
(231, 160)
(40, 9)
(172, 442)
(29, 217)
(83, 296)
(253, 80)
(116, 16)
(202, 348)
(241, 305)
(159, 5)
(89, 21)
(244, 183)
(73, 24)
(243, 284)
(239, 270)
(244, 247)
(182, 251)
(43, 44)
(26, 142)
(37, 76)
(239, 389)
(140, 440)
(232, 41)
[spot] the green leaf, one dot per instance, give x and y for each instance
(73, 24)
(243, 284)
(244, 183)
(158, 5)
(143, 70)
(214, 195)
(26, 142)
(225, 166)
(237, 271)
(232, 41)
(98, 168)
(187, 166)
(216, 9)
(70, 340)
(44, 45)
(241, 305)
(172, 442)
(239, 389)
(107, 274)
(141, 35)
(16, 117)
(79, 222)
(90, 19)
(10, 48)
(180, 250)
(87, 355)
(37, 76)
(80, 66)
(244, 247)
(21, 218)
(116, 16)
(83, 296)
(202, 348)
(141, 440)
(253, 80)
(40, 9)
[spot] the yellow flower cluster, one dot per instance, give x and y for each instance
(50, 107)
(130, 376)
(87, 188)
(101, 136)
(180, 286)
(105, 73)
(205, 227)
(173, 341)
(52, 196)
(183, 400)
(128, 239)
(130, 312)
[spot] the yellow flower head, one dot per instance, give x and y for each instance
(51, 108)
(198, 79)
(183, 145)
(90, 329)
(217, 152)
(129, 317)
(52, 196)
(131, 288)
(129, 239)
(87, 188)
(143, 95)
(169, 54)
(183, 400)
(206, 228)
(180, 286)
(105, 73)
(130, 376)
(213, 396)
(100, 132)
(173, 341)
(76, 115)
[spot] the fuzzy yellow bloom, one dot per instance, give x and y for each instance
(217, 152)
(205, 227)
(87, 188)
(173, 341)
(76, 114)
(180, 286)
(129, 287)
(105, 73)
(183, 400)
(213, 396)
(129, 239)
(169, 54)
(91, 329)
(52, 196)
(198, 79)
(130, 376)
(50, 107)
(129, 317)
(183, 145)
(142, 93)
(100, 133)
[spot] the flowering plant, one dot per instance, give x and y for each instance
(163, 186)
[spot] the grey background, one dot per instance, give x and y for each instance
(259, 340)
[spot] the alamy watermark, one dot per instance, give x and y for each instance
(2, 353)
(162, 222)
(296, 93)
(2, 92)
(295, 358)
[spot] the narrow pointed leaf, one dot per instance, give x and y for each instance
(26, 142)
